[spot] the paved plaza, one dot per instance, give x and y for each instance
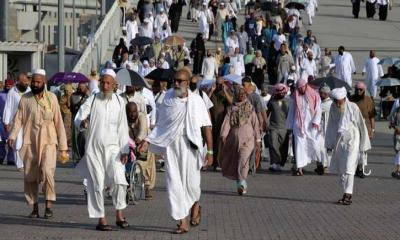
(277, 206)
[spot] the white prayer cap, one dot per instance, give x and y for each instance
(339, 93)
(161, 9)
(145, 62)
(108, 72)
(113, 65)
(293, 67)
(39, 71)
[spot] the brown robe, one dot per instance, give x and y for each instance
(43, 132)
(239, 144)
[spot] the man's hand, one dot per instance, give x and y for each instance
(143, 147)
(10, 143)
(124, 158)
(372, 135)
(209, 159)
(7, 128)
(315, 126)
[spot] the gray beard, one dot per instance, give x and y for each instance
(107, 95)
(179, 92)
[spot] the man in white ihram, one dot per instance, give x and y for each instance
(344, 65)
(177, 136)
(11, 108)
(347, 137)
(106, 150)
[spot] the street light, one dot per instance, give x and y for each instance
(61, 49)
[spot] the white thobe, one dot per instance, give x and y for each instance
(159, 22)
(306, 144)
(209, 68)
(144, 71)
(278, 40)
(107, 139)
(131, 30)
(323, 156)
(165, 65)
(178, 128)
(10, 109)
(146, 31)
(238, 64)
(231, 43)
(310, 9)
(308, 68)
(203, 23)
(373, 71)
(344, 67)
(149, 96)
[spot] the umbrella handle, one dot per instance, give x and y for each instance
(366, 173)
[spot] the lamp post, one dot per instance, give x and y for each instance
(61, 49)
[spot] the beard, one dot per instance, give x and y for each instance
(37, 90)
(341, 109)
(22, 88)
(179, 92)
(107, 95)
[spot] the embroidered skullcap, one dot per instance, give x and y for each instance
(108, 72)
(360, 85)
(339, 93)
(39, 71)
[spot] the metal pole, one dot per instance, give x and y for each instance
(40, 30)
(61, 44)
(103, 8)
(73, 25)
(3, 20)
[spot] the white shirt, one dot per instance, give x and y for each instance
(278, 40)
(209, 68)
(238, 63)
(308, 68)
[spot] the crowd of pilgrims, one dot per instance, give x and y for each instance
(258, 116)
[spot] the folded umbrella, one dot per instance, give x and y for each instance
(161, 74)
(67, 77)
(388, 82)
(141, 41)
(127, 77)
(330, 81)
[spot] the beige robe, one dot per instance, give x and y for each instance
(139, 130)
(43, 132)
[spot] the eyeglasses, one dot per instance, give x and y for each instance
(179, 80)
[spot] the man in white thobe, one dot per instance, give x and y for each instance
(373, 71)
(203, 21)
(237, 62)
(132, 29)
(310, 10)
(159, 21)
(209, 69)
(10, 109)
(146, 29)
(183, 118)
(106, 151)
(347, 137)
(344, 65)
(323, 159)
(308, 67)
(304, 120)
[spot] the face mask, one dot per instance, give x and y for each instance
(37, 90)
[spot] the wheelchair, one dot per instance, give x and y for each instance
(135, 178)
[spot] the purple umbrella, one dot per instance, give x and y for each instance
(68, 77)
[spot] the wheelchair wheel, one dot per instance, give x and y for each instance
(136, 182)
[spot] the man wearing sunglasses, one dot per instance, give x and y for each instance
(367, 109)
(178, 137)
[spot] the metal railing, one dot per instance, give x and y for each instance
(106, 35)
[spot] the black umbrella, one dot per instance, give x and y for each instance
(127, 77)
(297, 5)
(331, 82)
(161, 74)
(141, 41)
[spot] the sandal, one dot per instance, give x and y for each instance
(48, 213)
(195, 221)
(34, 214)
(122, 224)
(180, 229)
(101, 227)
(346, 200)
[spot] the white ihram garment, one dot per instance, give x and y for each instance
(107, 139)
(10, 109)
(306, 144)
(310, 9)
(203, 24)
(179, 125)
